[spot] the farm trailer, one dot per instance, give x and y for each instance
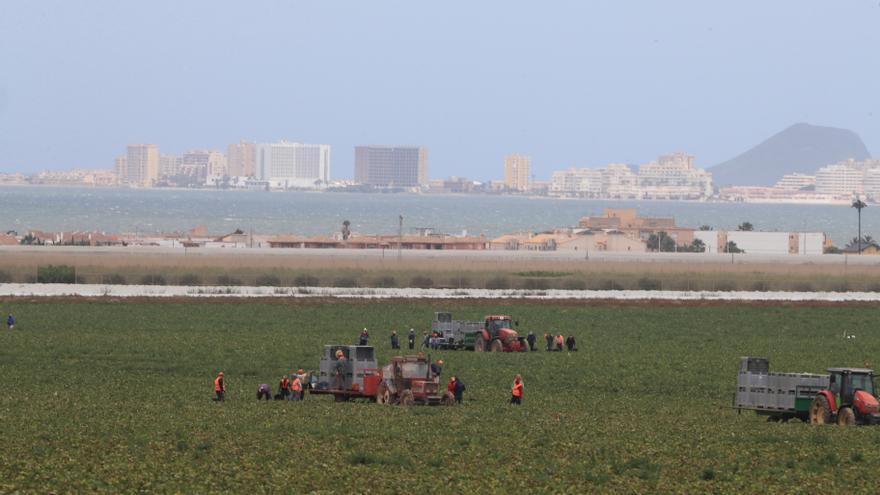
(845, 396)
(494, 334)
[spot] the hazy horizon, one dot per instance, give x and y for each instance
(568, 83)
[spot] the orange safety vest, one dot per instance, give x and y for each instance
(517, 389)
(296, 386)
(218, 384)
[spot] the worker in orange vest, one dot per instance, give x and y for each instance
(517, 390)
(560, 341)
(296, 388)
(283, 388)
(220, 387)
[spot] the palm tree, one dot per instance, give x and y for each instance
(858, 204)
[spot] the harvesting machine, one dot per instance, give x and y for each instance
(845, 396)
(406, 380)
(495, 333)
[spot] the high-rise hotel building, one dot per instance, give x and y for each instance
(517, 172)
(385, 166)
(293, 164)
(141, 166)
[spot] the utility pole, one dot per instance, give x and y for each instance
(858, 204)
(400, 239)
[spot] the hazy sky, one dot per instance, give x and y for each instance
(572, 83)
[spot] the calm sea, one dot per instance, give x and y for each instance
(153, 210)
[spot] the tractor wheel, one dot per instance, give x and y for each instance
(383, 395)
(480, 344)
(523, 345)
(448, 399)
(846, 417)
(820, 411)
(496, 346)
(406, 398)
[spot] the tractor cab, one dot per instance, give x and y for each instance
(411, 373)
(845, 382)
(497, 324)
(850, 398)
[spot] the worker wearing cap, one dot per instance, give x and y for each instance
(394, 343)
(517, 390)
(365, 336)
(437, 367)
(339, 381)
(220, 387)
(531, 340)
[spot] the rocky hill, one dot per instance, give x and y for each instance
(800, 148)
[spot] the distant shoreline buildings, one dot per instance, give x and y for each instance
(672, 176)
(287, 165)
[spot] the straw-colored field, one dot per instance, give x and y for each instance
(303, 268)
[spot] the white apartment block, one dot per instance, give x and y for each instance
(287, 164)
(841, 179)
(672, 176)
(619, 182)
(795, 182)
(576, 182)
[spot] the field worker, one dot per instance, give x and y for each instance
(450, 387)
(516, 392)
(437, 367)
(394, 343)
(302, 383)
(296, 388)
(220, 387)
(339, 380)
(365, 336)
(560, 341)
(426, 342)
(283, 388)
(459, 389)
(549, 339)
(412, 338)
(531, 340)
(10, 321)
(569, 343)
(264, 391)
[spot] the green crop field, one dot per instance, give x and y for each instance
(116, 397)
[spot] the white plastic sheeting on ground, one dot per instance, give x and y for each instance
(61, 290)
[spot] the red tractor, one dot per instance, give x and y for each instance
(408, 380)
(848, 400)
(498, 335)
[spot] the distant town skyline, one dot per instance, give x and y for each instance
(570, 84)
